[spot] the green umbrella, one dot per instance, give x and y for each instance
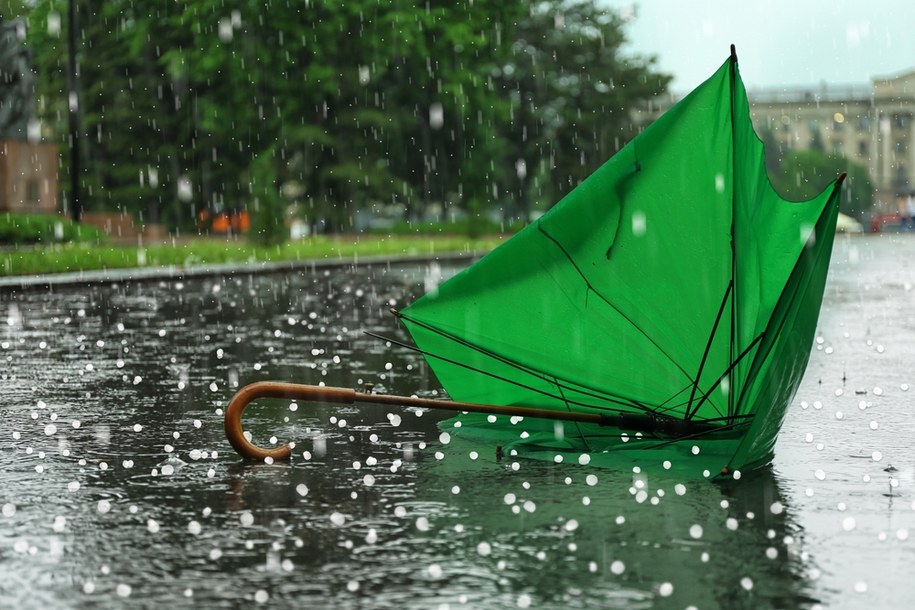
(673, 284)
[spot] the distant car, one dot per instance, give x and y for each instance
(847, 224)
(887, 223)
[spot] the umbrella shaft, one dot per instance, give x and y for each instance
(309, 393)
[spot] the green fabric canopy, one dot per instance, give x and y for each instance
(673, 282)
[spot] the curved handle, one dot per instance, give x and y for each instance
(273, 389)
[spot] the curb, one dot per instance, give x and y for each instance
(174, 272)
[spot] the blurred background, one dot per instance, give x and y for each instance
(288, 119)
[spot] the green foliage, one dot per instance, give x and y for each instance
(268, 215)
(357, 103)
(571, 88)
(805, 173)
(10, 9)
(27, 229)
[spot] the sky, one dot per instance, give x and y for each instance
(779, 42)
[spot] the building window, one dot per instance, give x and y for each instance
(864, 123)
(862, 148)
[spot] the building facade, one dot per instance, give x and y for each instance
(28, 177)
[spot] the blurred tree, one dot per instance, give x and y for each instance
(133, 123)
(775, 152)
(268, 214)
(357, 105)
(10, 9)
(572, 89)
(805, 173)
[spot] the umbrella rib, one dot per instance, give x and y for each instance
(607, 301)
(494, 376)
(708, 346)
(569, 407)
(593, 392)
(723, 375)
(542, 375)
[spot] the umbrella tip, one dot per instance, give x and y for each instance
(733, 52)
(841, 178)
(394, 312)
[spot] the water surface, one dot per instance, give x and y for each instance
(120, 490)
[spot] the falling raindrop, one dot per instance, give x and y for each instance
(436, 116)
(639, 224)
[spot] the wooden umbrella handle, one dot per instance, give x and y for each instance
(648, 422)
(273, 389)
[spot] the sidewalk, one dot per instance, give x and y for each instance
(173, 272)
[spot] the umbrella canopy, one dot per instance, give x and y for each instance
(673, 283)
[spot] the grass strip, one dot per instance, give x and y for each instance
(197, 252)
